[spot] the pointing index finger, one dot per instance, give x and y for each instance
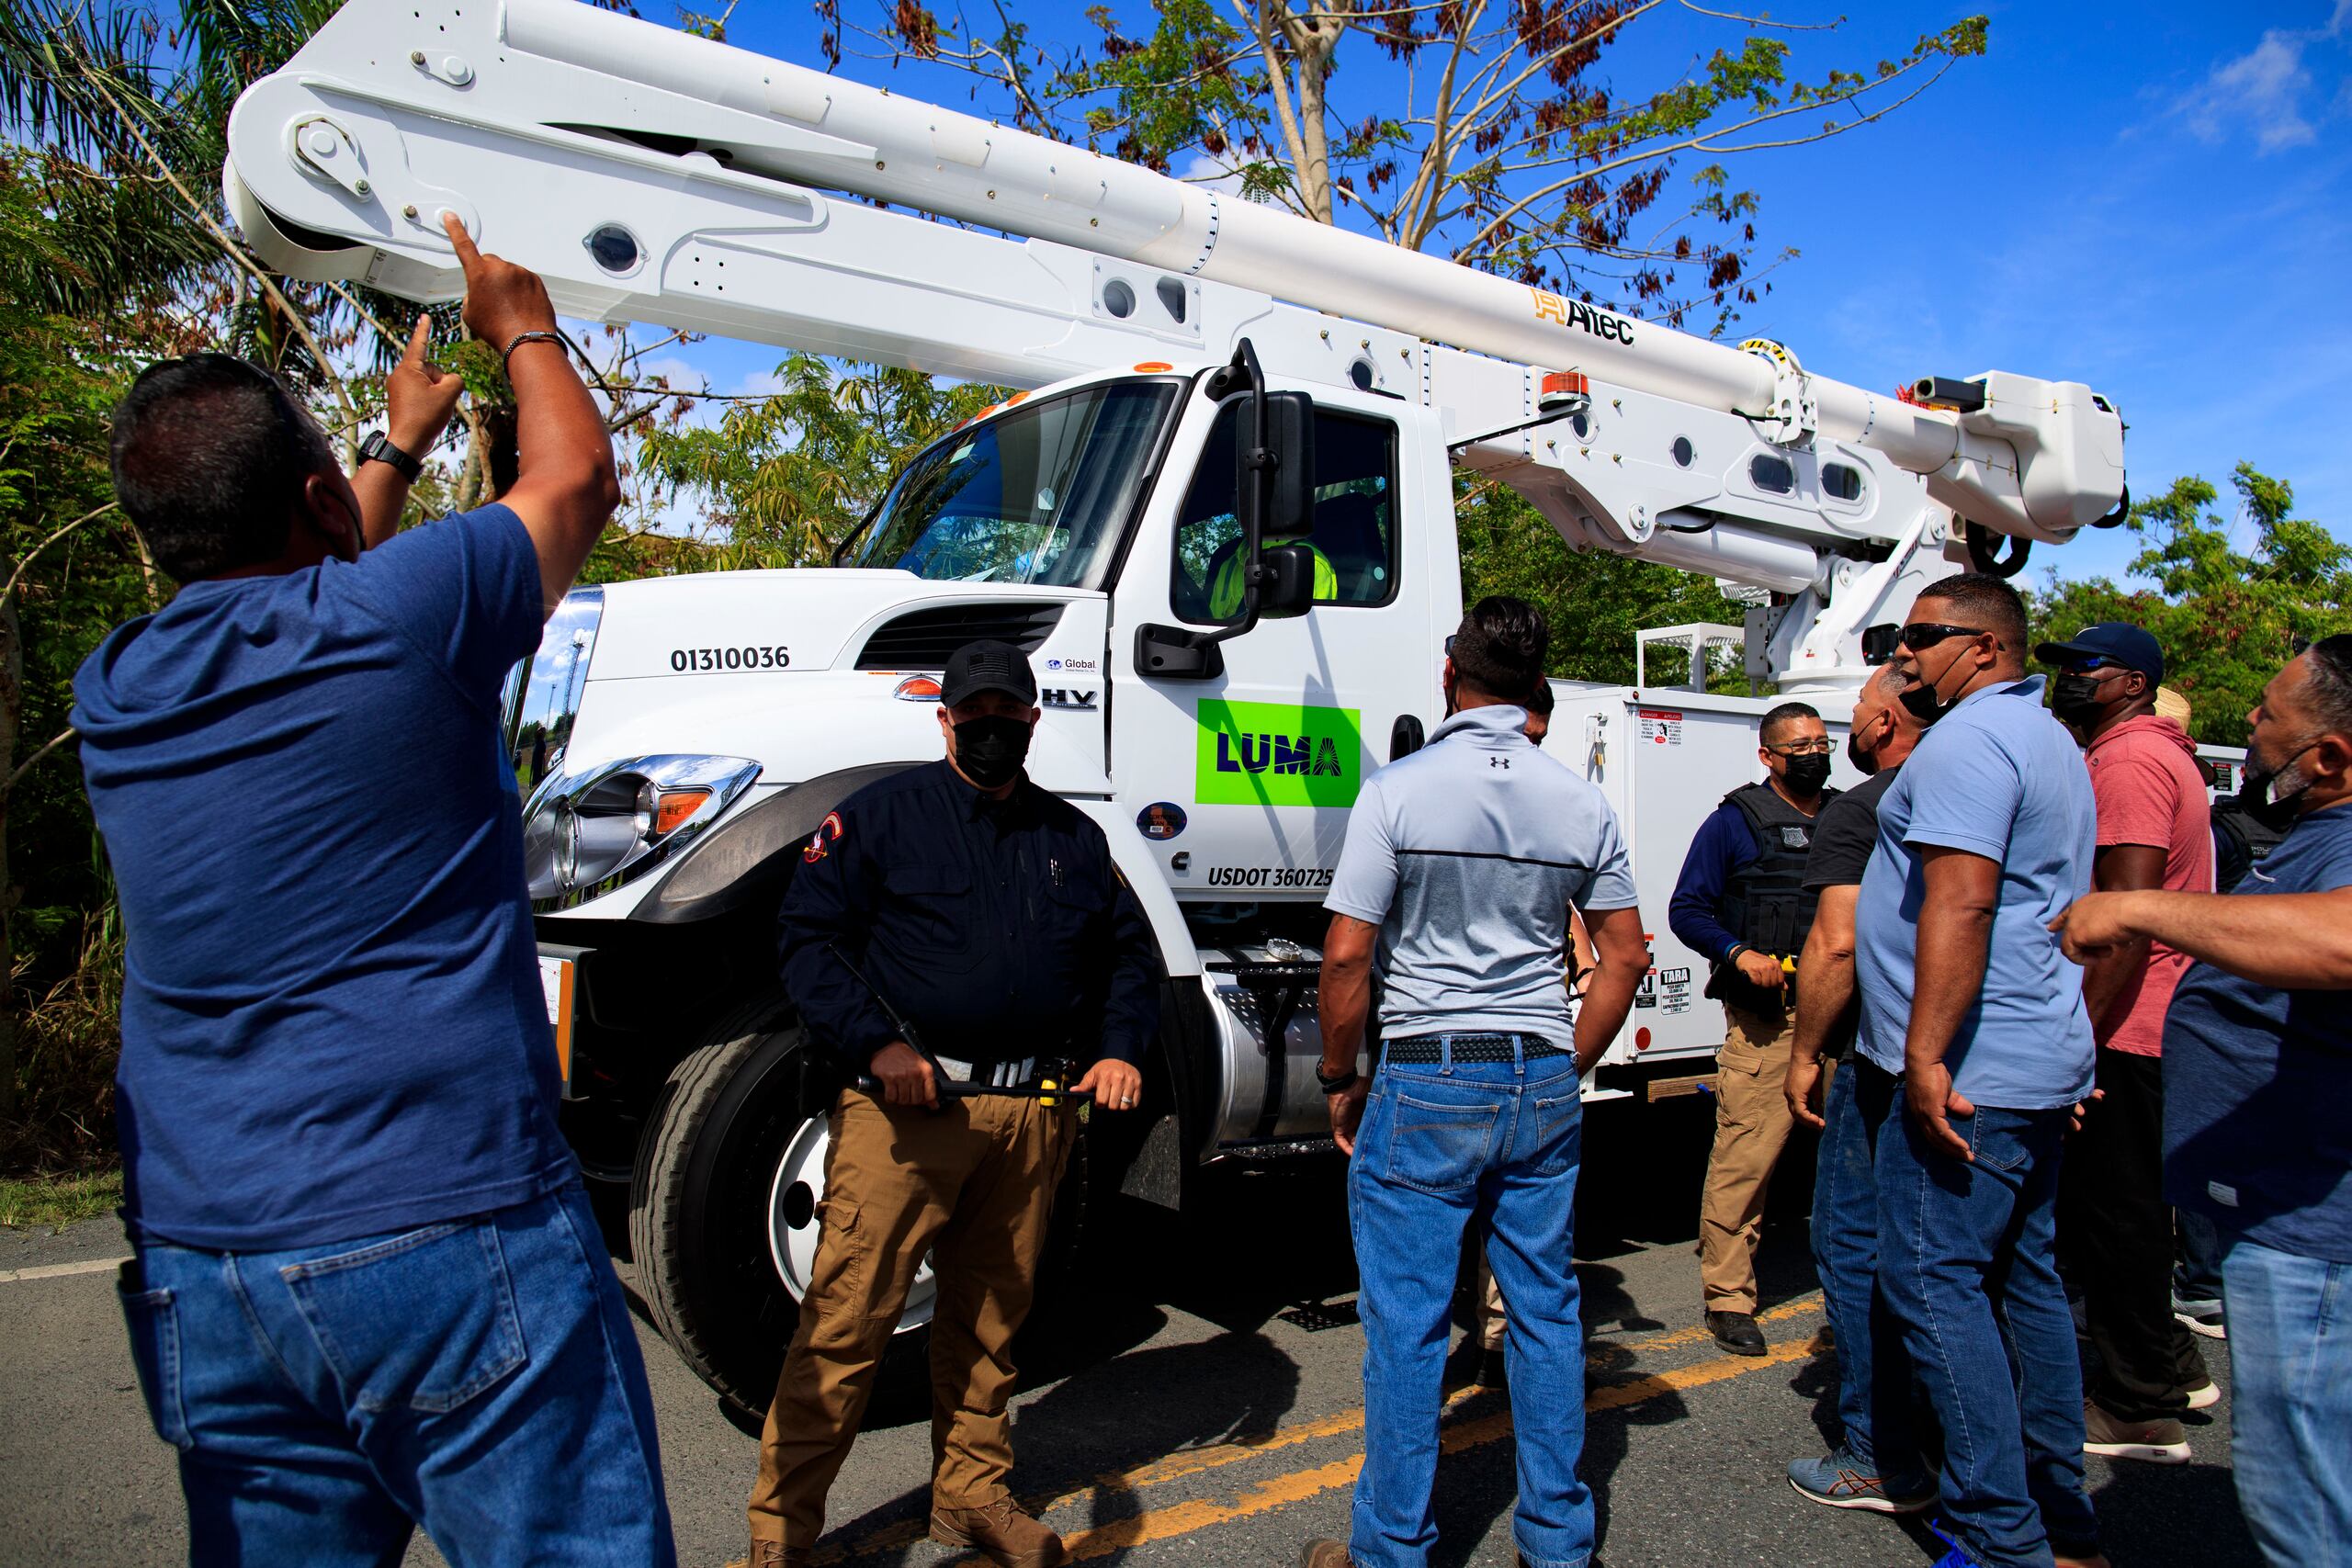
(420, 341)
(468, 253)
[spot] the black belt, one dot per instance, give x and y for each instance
(1424, 1048)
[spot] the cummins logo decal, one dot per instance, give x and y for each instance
(1274, 754)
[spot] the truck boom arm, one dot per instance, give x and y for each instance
(652, 175)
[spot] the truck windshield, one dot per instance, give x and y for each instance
(1038, 494)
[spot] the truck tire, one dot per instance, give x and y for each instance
(722, 1217)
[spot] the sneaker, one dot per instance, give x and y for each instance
(999, 1532)
(1324, 1554)
(2157, 1442)
(1954, 1558)
(1737, 1332)
(2200, 1317)
(1841, 1481)
(2204, 1396)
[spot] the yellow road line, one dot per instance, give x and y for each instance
(1282, 1491)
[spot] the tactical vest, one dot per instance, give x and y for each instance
(2239, 843)
(1766, 905)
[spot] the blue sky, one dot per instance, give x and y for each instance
(2155, 199)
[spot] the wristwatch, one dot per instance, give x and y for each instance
(1335, 1083)
(378, 449)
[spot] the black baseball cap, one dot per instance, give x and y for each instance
(2118, 642)
(988, 666)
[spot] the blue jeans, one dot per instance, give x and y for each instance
(1440, 1145)
(1873, 1376)
(479, 1378)
(2291, 1400)
(1968, 1266)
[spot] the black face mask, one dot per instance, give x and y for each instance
(2074, 697)
(1864, 763)
(2255, 800)
(1806, 774)
(1921, 702)
(988, 751)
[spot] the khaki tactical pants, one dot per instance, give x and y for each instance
(1494, 1317)
(972, 1184)
(1752, 1124)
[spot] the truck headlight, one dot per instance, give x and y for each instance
(587, 833)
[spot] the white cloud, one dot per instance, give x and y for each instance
(2263, 89)
(1201, 170)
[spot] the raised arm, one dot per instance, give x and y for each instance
(566, 486)
(2297, 942)
(419, 397)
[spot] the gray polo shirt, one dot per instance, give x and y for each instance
(1466, 855)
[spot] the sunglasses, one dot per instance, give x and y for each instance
(1921, 635)
(2089, 663)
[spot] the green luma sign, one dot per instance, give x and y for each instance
(1274, 754)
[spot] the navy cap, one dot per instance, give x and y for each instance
(988, 666)
(2117, 641)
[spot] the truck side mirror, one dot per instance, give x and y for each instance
(1879, 642)
(1274, 471)
(1288, 588)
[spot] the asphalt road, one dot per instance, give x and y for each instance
(1194, 1399)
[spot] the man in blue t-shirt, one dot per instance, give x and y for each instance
(367, 1291)
(1986, 834)
(2258, 1072)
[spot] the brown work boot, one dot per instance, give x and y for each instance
(772, 1554)
(1002, 1533)
(1325, 1555)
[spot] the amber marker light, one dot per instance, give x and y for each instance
(917, 689)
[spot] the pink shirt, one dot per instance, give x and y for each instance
(2144, 773)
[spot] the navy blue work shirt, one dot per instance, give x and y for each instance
(332, 1020)
(1723, 848)
(2256, 1078)
(1000, 930)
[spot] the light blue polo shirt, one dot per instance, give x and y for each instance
(1466, 855)
(1998, 777)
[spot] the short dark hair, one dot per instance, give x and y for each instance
(1540, 699)
(2331, 682)
(210, 454)
(1984, 601)
(1786, 713)
(1501, 647)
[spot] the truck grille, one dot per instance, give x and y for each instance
(921, 639)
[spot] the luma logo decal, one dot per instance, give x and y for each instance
(1274, 754)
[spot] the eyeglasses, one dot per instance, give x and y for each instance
(1926, 634)
(1821, 747)
(1448, 643)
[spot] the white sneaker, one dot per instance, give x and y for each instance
(2161, 1441)
(2205, 1395)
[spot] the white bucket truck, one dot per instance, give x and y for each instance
(1222, 404)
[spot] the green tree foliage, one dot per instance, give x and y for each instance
(1595, 602)
(2227, 617)
(1484, 130)
(789, 477)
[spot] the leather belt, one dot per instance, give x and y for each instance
(995, 1075)
(1420, 1049)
